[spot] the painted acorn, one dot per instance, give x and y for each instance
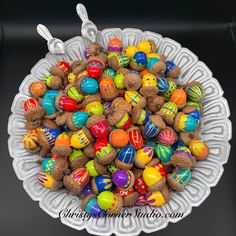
(195, 92)
(167, 136)
(55, 167)
(120, 78)
(71, 92)
(135, 137)
(172, 87)
(101, 183)
(172, 70)
(78, 67)
(32, 110)
(48, 103)
(64, 103)
(108, 89)
(31, 141)
(93, 50)
(115, 45)
(158, 198)
(154, 126)
(155, 64)
(188, 136)
(105, 153)
(129, 197)
(76, 180)
(53, 81)
(179, 178)
(123, 179)
(95, 169)
(149, 85)
(98, 126)
(37, 89)
(138, 61)
(122, 103)
(168, 112)
(134, 99)
(117, 61)
(184, 122)
(125, 158)
(81, 138)
(60, 69)
(118, 138)
(92, 104)
(46, 180)
(179, 97)
(95, 67)
(143, 156)
(139, 184)
(140, 116)
(147, 46)
(199, 149)
(87, 85)
(77, 159)
(162, 84)
(164, 153)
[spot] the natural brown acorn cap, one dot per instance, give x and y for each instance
(131, 199)
(94, 186)
(103, 57)
(108, 158)
(63, 151)
(174, 184)
(56, 82)
(71, 185)
(136, 67)
(89, 151)
(102, 170)
(165, 193)
(167, 119)
(158, 121)
(154, 103)
(76, 64)
(157, 186)
(174, 73)
(181, 161)
(94, 119)
(122, 71)
(91, 98)
(176, 121)
(154, 161)
(61, 118)
(85, 200)
(59, 168)
(116, 100)
(44, 151)
(158, 68)
(133, 128)
(138, 173)
(34, 113)
(69, 122)
(148, 91)
(119, 206)
(88, 133)
(132, 179)
(171, 79)
(43, 141)
(189, 108)
(95, 48)
(116, 116)
(142, 102)
(123, 166)
(50, 124)
(132, 81)
(78, 162)
(77, 84)
(79, 67)
(56, 185)
(187, 137)
(137, 110)
(113, 62)
(55, 71)
(31, 125)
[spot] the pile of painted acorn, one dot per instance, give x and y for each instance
(116, 128)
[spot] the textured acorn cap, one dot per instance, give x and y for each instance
(62, 118)
(131, 199)
(174, 184)
(43, 141)
(154, 161)
(89, 151)
(94, 119)
(157, 186)
(136, 67)
(31, 125)
(56, 82)
(102, 170)
(94, 186)
(132, 81)
(137, 110)
(149, 91)
(63, 151)
(85, 200)
(165, 193)
(56, 185)
(181, 161)
(91, 98)
(71, 185)
(59, 168)
(158, 121)
(69, 122)
(103, 57)
(113, 62)
(79, 67)
(142, 102)
(174, 73)
(176, 121)
(116, 116)
(133, 128)
(138, 173)
(88, 133)
(116, 100)
(78, 162)
(50, 124)
(122, 71)
(95, 48)
(154, 103)
(166, 118)
(55, 71)
(108, 158)
(123, 166)
(132, 179)
(34, 113)
(44, 151)
(158, 68)
(187, 137)
(119, 206)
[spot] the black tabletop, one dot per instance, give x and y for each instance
(205, 27)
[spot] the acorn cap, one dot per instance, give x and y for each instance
(102, 170)
(69, 122)
(89, 151)
(122, 71)
(34, 113)
(91, 98)
(103, 57)
(59, 168)
(56, 82)
(166, 118)
(116, 116)
(94, 119)
(154, 103)
(113, 62)
(79, 66)
(94, 186)
(176, 121)
(62, 118)
(56, 185)
(174, 184)
(157, 186)
(132, 81)
(130, 199)
(78, 162)
(154, 161)
(149, 91)
(123, 166)
(165, 193)
(71, 185)
(50, 124)
(55, 71)
(95, 48)
(181, 161)
(116, 100)
(138, 173)
(135, 66)
(108, 158)
(158, 68)
(119, 206)
(133, 128)
(63, 151)
(186, 87)
(31, 125)
(132, 179)
(137, 110)
(187, 137)
(174, 72)
(142, 102)
(44, 151)
(158, 121)
(85, 200)
(43, 141)
(88, 133)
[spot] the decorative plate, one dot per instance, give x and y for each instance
(215, 131)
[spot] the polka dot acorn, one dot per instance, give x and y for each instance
(138, 61)
(60, 69)
(101, 183)
(135, 137)
(117, 61)
(149, 85)
(31, 141)
(147, 46)
(172, 70)
(155, 64)
(77, 159)
(168, 112)
(72, 92)
(104, 151)
(154, 126)
(195, 92)
(37, 89)
(76, 180)
(95, 169)
(118, 138)
(98, 126)
(199, 149)
(120, 77)
(140, 116)
(46, 180)
(184, 122)
(125, 157)
(143, 156)
(179, 97)
(129, 197)
(139, 184)
(158, 198)
(167, 136)
(172, 87)
(122, 103)
(110, 202)
(33, 110)
(81, 138)
(179, 178)
(182, 158)
(164, 153)
(134, 99)
(95, 67)
(92, 104)
(90, 205)
(123, 179)
(132, 80)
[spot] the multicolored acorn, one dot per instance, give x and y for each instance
(46, 180)
(123, 179)
(101, 183)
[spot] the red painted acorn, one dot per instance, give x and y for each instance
(95, 67)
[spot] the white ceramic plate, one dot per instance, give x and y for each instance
(215, 131)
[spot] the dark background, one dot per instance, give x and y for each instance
(205, 27)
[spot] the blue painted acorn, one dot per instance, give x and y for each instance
(48, 103)
(77, 120)
(172, 70)
(154, 126)
(101, 183)
(162, 84)
(138, 61)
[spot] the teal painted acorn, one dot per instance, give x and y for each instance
(164, 152)
(185, 122)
